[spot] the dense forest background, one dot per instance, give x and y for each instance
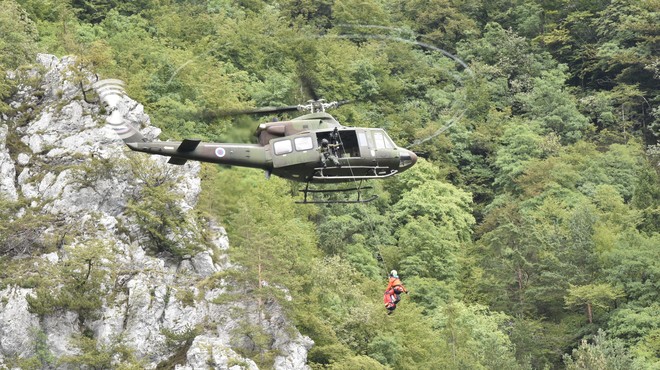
(529, 237)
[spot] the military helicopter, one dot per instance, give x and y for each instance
(293, 149)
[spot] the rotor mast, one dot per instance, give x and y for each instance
(315, 106)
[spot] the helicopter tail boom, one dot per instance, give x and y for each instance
(245, 155)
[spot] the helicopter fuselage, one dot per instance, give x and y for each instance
(363, 153)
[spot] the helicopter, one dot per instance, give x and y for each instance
(293, 149)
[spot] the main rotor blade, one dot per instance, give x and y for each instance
(308, 86)
(262, 110)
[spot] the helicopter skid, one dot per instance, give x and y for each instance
(367, 200)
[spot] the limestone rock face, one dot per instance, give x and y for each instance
(57, 155)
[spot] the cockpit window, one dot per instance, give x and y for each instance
(382, 140)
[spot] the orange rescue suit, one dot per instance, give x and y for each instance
(395, 281)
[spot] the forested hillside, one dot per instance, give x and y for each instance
(529, 237)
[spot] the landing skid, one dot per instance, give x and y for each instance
(358, 189)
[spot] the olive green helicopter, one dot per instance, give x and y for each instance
(313, 148)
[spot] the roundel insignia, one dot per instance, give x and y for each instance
(220, 152)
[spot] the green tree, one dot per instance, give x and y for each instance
(427, 250)
(591, 296)
(603, 353)
(95, 355)
(19, 35)
(23, 235)
(630, 263)
(81, 282)
(17, 44)
(520, 144)
(442, 21)
(274, 249)
(512, 59)
(272, 243)
(442, 204)
(157, 209)
(315, 13)
(646, 198)
(474, 338)
(554, 108)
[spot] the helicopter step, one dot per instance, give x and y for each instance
(358, 189)
(368, 173)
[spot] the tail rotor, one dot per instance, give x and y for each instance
(112, 94)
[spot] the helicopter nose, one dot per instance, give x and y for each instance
(407, 159)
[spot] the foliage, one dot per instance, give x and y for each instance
(600, 295)
(94, 355)
(603, 353)
(158, 211)
(19, 33)
(17, 44)
(75, 283)
(474, 338)
(178, 343)
(23, 234)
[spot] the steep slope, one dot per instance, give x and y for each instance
(98, 276)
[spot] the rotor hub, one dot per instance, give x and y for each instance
(315, 106)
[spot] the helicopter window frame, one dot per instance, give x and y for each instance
(303, 143)
(282, 147)
(389, 143)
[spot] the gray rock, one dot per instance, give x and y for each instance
(23, 159)
(7, 168)
(17, 324)
(203, 264)
(211, 353)
(77, 170)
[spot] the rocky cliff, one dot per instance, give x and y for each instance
(90, 277)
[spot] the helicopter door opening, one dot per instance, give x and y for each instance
(349, 146)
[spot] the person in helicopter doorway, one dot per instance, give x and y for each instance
(328, 151)
(334, 136)
(396, 286)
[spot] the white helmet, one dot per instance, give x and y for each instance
(393, 273)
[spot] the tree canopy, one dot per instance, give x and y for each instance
(528, 238)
